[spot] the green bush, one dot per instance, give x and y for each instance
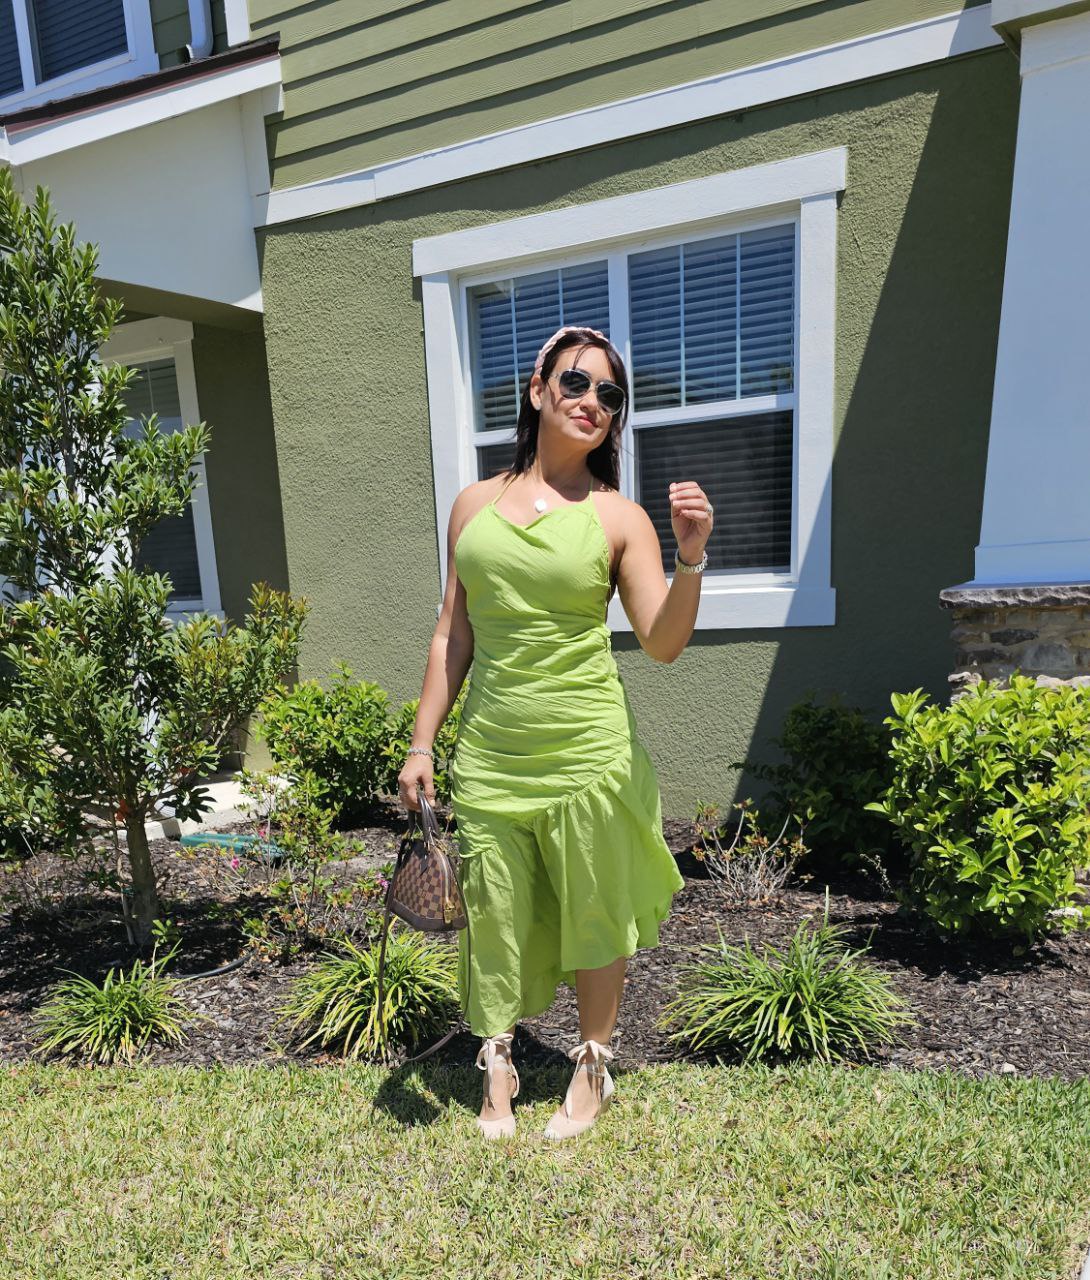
(837, 761)
(349, 739)
(814, 1001)
(339, 996)
(990, 797)
(111, 1023)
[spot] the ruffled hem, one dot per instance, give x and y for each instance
(614, 879)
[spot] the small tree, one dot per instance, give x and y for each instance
(108, 708)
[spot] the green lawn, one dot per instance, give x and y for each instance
(814, 1171)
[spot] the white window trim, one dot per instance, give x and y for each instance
(140, 59)
(157, 339)
(804, 188)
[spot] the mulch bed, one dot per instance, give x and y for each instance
(980, 1009)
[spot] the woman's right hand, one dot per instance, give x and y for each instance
(416, 772)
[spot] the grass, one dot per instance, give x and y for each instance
(814, 1171)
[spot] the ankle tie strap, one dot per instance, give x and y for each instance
(486, 1057)
(593, 1055)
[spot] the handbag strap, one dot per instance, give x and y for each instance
(430, 828)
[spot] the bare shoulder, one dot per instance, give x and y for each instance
(476, 494)
(620, 515)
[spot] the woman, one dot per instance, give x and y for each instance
(564, 867)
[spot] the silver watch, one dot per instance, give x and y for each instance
(680, 566)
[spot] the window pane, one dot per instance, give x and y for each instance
(77, 33)
(767, 310)
(170, 546)
(654, 289)
(494, 458)
(509, 321)
(11, 76)
(743, 464)
(713, 319)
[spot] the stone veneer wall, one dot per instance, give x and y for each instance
(1039, 630)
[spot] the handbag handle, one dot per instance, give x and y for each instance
(425, 817)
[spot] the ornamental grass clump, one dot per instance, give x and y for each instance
(816, 1000)
(338, 998)
(990, 795)
(112, 1022)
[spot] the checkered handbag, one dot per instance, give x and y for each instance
(424, 892)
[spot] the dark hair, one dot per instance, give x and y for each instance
(604, 459)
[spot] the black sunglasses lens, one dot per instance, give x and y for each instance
(574, 382)
(610, 396)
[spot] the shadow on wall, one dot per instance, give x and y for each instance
(909, 462)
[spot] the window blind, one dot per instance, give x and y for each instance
(744, 465)
(713, 319)
(509, 321)
(170, 546)
(11, 75)
(77, 33)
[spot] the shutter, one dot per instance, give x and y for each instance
(713, 319)
(77, 33)
(11, 75)
(509, 322)
(744, 466)
(170, 545)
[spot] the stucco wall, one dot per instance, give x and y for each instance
(243, 484)
(922, 231)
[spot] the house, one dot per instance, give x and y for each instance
(841, 244)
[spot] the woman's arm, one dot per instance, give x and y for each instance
(663, 614)
(449, 658)
(451, 650)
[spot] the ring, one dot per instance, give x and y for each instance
(710, 508)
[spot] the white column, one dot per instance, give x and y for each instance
(1035, 526)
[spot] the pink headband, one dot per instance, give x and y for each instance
(567, 328)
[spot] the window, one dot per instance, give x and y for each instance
(711, 336)
(171, 545)
(50, 48)
(719, 293)
(180, 546)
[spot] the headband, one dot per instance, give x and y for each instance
(567, 328)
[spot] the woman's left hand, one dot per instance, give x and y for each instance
(690, 517)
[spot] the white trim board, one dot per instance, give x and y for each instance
(24, 146)
(878, 54)
(803, 189)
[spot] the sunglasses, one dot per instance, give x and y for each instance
(574, 383)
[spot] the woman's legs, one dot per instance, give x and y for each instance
(598, 993)
(503, 1083)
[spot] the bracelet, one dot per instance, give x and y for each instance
(682, 566)
(420, 751)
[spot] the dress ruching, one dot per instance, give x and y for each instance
(564, 865)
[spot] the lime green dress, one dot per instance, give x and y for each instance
(563, 861)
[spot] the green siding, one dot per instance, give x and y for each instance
(922, 235)
(366, 83)
(170, 21)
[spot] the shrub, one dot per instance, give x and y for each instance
(350, 740)
(751, 867)
(815, 1000)
(336, 735)
(836, 762)
(990, 796)
(339, 997)
(111, 1023)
